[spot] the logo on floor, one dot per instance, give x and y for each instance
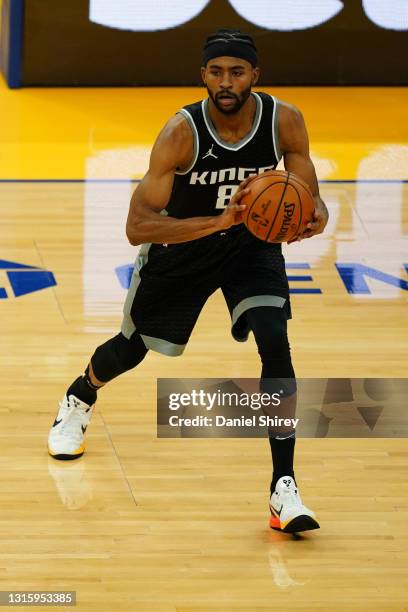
(24, 279)
(352, 275)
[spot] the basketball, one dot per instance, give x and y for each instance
(279, 206)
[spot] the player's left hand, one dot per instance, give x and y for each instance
(316, 225)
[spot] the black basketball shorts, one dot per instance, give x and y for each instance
(171, 283)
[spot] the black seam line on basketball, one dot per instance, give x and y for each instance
(303, 185)
(280, 204)
(301, 208)
(272, 223)
(259, 195)
(265, 173)
(299, 181)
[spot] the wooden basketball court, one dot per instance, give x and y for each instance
(140, 523)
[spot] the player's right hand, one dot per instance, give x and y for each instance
(232, 214)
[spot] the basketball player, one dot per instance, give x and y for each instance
(186, 214)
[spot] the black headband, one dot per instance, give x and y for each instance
(219, 47)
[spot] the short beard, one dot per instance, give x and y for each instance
(239, 102)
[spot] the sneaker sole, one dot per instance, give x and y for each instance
(300, 523)
(63, 457)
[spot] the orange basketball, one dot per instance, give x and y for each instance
(279, 206)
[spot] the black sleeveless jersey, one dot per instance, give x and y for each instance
(217, 167)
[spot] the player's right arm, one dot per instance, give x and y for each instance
(172, 151)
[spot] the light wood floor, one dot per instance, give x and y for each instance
(148, 524)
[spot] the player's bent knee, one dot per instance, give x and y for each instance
(269, 326)
(118, 355)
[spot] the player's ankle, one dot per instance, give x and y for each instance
(276, 476)
(83, 391)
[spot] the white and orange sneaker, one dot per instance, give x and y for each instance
(66, 439)
(288, 514)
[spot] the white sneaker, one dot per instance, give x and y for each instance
(66, 439)
(288, 512)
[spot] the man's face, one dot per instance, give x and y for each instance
(229, 81)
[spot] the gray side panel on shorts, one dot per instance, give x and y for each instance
(128, 327)
(163, 346)
(253, 302)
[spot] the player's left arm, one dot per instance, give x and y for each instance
(294, 144)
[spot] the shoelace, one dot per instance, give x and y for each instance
(72, 421)
(291, 498)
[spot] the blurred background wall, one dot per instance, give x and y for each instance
(146, 42)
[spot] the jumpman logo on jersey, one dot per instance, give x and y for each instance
(210, 153)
